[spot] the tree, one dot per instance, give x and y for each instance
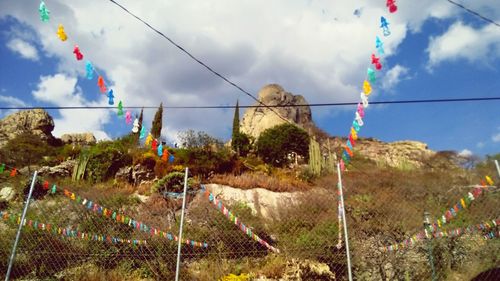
(236, 121)
(141, 116)
(157, 122)
(198, 140)
(241, 143)
(138, 134)
(276, 143)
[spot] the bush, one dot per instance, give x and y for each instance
(275, 143)
(106, 158)
(205, 162)
(25, 150)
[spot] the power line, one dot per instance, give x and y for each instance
(474, 12)
(258, 106)
(195, 58)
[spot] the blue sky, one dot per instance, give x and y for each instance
(318, 49)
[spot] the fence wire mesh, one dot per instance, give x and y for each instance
(77, 232)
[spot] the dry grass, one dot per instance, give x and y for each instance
(280, 181)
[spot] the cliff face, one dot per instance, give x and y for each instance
(36, 121)
(402, 154)
(256, 120)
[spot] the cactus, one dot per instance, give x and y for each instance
(315, 157)
(80, 167)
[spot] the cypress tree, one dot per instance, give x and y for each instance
(235, 140)
(236, 121)
(140, 119)
(157, 122)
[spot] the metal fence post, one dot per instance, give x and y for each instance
(345, 225)
(18, 235)
(177, 270)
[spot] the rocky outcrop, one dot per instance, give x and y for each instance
(65, 169)
(257, 119)
(135, 175)
(262, 202)
(400, 154)
(35, 121)
(79, 139)
(7, 193)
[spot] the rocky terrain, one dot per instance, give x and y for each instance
(39, 123)
(256, 120)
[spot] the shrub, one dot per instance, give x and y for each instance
(25, 150)
(106, 158)
(275, 143)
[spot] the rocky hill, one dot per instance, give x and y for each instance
(255, 120)
(39, 123)
(36, 121)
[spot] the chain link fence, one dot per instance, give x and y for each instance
(76, 232)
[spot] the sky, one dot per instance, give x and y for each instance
(319, 49)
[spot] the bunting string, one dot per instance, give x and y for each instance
(67, 232)
(234, 219)
(423, 235)
(462, 204)
(12, 171)
(90, 69)
(124, 219)
(432, 230)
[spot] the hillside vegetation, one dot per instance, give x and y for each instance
(384, 205)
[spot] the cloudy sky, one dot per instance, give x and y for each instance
(317, 48)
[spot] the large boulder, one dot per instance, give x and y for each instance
(36, 121)
(257, 119)
(65, 169)
(79, 138)
(136, 175)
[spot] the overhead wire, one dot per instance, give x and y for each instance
(473, 12)
(257, 106)
(193, 57)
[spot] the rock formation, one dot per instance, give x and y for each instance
(79, 139)
(35, 121)
(256, 120)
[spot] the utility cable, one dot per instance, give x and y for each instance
(474, 13)
(196, 59)
(257, 106)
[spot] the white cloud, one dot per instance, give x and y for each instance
(496, 138)
(394, 76)
(465, 153)
(9, 101)
(23, 48)
(318, 49)
(62, 90)
(464, 42)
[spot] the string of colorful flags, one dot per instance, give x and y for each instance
(68, 231)
(234, 219)
(91, 72)
(4, 168)
(492, 234)
(357, 123)
(451, 213)
(423, 235)
(462, 204)
(348, 149)
(121, 218)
